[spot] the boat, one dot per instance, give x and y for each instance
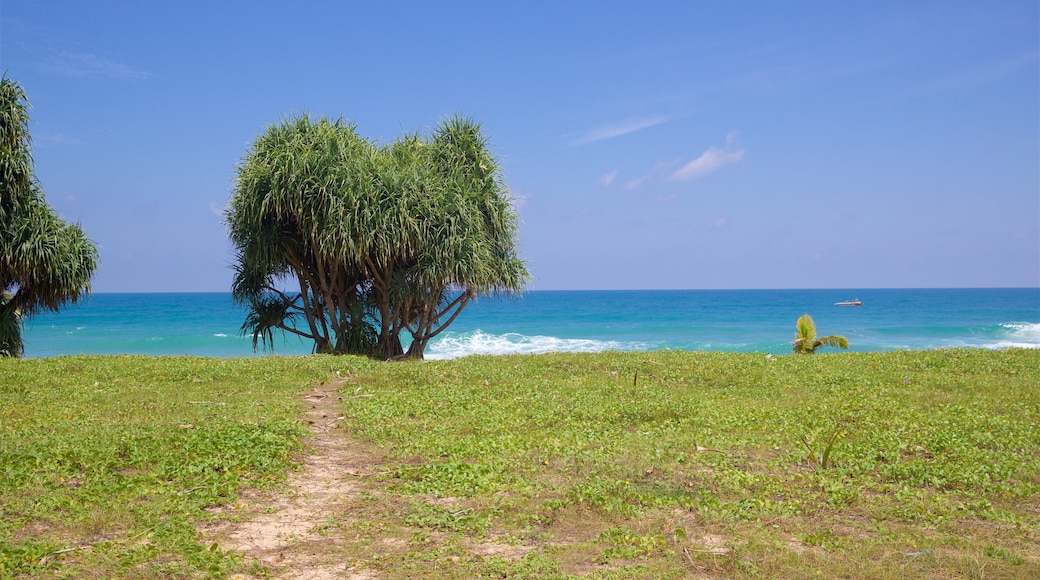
(849, 303)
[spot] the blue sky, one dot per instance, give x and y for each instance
(648, 145)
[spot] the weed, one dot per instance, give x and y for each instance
(821, 459)
(1004, 554)
(625, 544)
(425, 516)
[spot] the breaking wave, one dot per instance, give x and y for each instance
(1018, 335)
(456, 345)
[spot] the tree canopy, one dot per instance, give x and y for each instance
(350, 243)
(44, 261)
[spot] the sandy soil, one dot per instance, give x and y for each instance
(281, 530)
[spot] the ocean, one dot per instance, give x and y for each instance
(207, 324)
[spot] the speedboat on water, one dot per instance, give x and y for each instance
(849, 303)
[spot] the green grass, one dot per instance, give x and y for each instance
(115, 458)
(612, 465)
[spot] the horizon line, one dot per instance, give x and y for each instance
(835, 288)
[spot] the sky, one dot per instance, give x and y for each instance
(649, 145)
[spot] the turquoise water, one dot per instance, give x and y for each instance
(578, 321)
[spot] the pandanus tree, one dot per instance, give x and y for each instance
(45, 262)
(375, 241)
(467, 238)
(806, 341)
(294, 193)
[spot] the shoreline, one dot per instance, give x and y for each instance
(546, 321)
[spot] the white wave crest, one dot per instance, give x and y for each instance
(479, 342)
(1019, 335)
(1025, 330)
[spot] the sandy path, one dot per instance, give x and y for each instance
(281, 530)
(297, 533)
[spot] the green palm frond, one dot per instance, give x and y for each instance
(265, 315)
(45, 263)
(805, 335)
(832, 341)
(806, 342)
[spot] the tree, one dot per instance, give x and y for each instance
(291, 189)
(806, 342)
(379, 240)
(45, 263)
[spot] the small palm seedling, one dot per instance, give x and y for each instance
(806, 342)
(821, 459)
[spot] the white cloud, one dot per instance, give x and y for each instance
(45, 140)
(518, 198)
(710, 161)
(658, 168)
(635, 183)
(618, 129)
(518, 201)
(719, 223)
(85, 65)
(609, 178)
(980, 75)
(216, 209)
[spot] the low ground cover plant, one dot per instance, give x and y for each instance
(609, 465)
(108, 463)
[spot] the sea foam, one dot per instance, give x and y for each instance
(455, 345)
(1019, 335)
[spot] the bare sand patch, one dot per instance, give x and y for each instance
(493, 549)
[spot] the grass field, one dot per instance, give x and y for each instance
(611, 465)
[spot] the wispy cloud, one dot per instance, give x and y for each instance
(635, 183)
(217, 209)
(659, 168)
(618, 129)
(609, 178)
(979, 75)
(44, 140)
(90, 66)
(710, 161)
(518, 201)
(518, 198)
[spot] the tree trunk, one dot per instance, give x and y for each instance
(415, 350)
(322, 345)
(391, 347)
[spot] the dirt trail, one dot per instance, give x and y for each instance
(281, 530)
(298, 533)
